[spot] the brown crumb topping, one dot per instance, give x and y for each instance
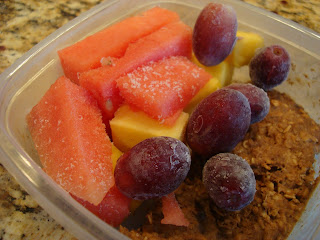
(280, 150)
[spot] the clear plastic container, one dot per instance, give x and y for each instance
(25, 82)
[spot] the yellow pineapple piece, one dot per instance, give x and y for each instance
(223, 71)
(131, 127)
(135, 204)
(245, 48)
(212, 85)
(116, 153)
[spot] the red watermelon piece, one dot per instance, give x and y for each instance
(104, 89)
(112, 41)
(74, 149)
(113, 209)
(172, 212)
(162, 88)
(172, 40)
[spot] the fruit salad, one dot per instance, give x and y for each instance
(147, 110)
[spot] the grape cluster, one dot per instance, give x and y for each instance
(215, 127)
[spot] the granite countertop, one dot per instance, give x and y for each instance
(23, 23)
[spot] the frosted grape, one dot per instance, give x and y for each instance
(230, 181)
(214, 33)
(153, 168)
(258, 100)
(269, 67)
(218, 123)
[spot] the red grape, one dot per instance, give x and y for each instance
(219, 122)
(269, 67)
(230, 181)
(153, 168)
(258, 100)
(214, 33)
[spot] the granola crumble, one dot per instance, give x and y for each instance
(281, 150)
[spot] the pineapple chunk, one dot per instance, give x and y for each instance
(212, 85)
(223, 71)
(135, 204)
(245, 48)
(131, 127)
(116, 153)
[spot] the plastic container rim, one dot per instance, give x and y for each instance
(14, 158)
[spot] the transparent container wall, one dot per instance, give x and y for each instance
(25, 82)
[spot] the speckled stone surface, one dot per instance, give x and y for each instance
(23, 23)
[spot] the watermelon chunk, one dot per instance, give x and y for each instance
(172, 212)
(112, 41)
(74, 149)
(162, 88)
(172, 40)
(113, 209)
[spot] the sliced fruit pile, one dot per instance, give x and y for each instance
(114, 129)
